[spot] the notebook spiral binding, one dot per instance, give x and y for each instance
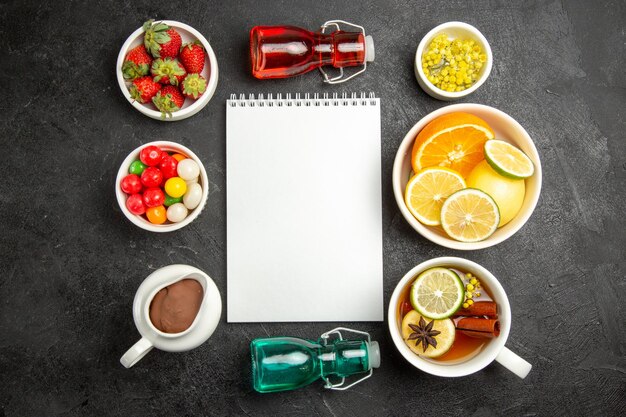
(306, 100)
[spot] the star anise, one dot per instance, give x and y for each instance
(424, 334)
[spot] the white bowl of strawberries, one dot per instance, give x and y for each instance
(167, 70)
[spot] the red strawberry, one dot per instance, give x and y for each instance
(144, 89)
(137, 63)
(168, 100)
(192, 57)
(168, 71)
(161, 40)
(193, 86)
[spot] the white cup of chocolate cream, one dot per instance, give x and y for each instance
(176, 308)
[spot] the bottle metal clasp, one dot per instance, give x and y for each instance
(339, 79)
(339, 386)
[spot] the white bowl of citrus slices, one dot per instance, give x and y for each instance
(467, 176)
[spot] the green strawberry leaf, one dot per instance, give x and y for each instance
(130, 70)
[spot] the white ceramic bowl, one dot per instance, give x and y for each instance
(493, 350)
(454, 30)
(141, 221)
(210, 72)
(507, 129)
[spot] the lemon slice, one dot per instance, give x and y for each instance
(444, 339)
(507, 160)
(428, 189)
(470, 215)
(437, 293)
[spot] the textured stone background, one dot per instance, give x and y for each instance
(71, 263)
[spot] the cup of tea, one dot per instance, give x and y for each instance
(470, 338)
(176, 308)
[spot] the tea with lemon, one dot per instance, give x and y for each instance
(462, 330)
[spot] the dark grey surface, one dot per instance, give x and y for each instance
(71, 262)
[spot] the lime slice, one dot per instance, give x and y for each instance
(444, 339)
(470, 215)
(428, 189)
(437, 293)
(507, 160)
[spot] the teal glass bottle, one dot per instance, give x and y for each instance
(287, 363)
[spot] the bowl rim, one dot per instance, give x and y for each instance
(471, 365)
(139, 220)
(186, 112)
(430, 87)
(406, 146)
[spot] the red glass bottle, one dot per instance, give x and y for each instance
(285, 51)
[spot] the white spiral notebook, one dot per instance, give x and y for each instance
(304, 215)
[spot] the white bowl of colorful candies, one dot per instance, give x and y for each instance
(162, 186)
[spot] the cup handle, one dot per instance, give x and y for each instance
(513, 363)
(136, 352)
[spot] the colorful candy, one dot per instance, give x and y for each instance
(162, 186)
(134, 204)
(136, 167)
(179, 157)
(150, 155)
(188, 169)
(153, 197)
(168, 166)
(169, 200)
(175, 187)
(152, 177)
(177, 212)
(193, 196)
(157, 215)
(131, 184)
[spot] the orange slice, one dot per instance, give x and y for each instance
(454, 140)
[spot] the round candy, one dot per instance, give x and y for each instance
(134, 204)
(131, 184)
(152, 177)
(168, 166)
(169, 200)
(156, 215)
(136, 167)
(188, 169)
(153, 197)
(193, 196)
(150, 155)
(175, 187)
(179, 157)
(177, 212)
(193, 181)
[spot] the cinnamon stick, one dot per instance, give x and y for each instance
(479, 308)
(479, 327)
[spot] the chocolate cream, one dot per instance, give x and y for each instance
(174, 308)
